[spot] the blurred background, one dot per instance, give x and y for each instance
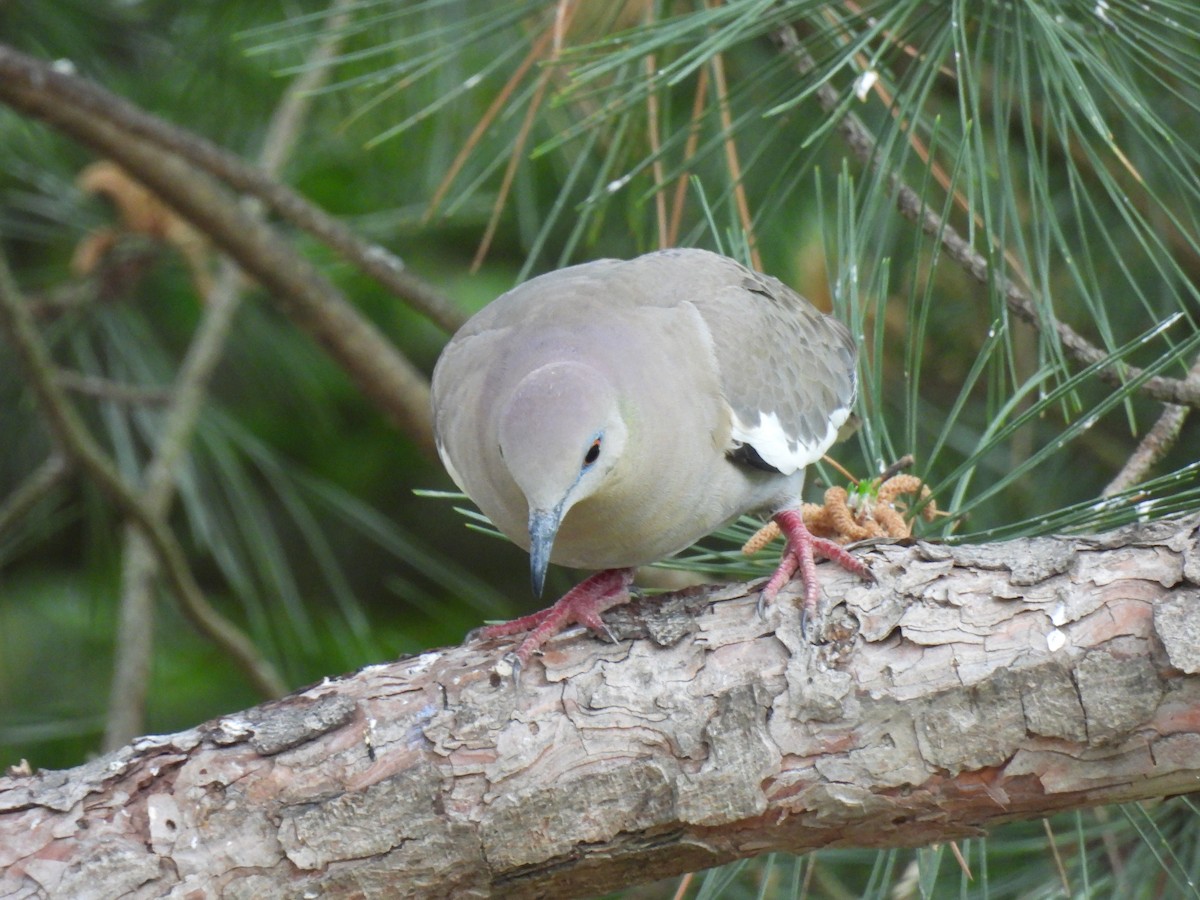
(484, 142)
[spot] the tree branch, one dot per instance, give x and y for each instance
(73, 440)
(140, 571)
(1154, 446)
(40, 482)
(112, 391)
(1182, 392)
(115, 129)
(970, 686)
(39, 88)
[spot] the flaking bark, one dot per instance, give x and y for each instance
(970, 686)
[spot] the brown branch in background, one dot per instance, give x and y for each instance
(303, 293)
(731, 159)
(140, 563)
(38, 484)
(656, 167)
(563, 13)
(936, 170)
(115, 392)
(140, 569)
(1185, 392)
(485, 121)
(38, 88)
(74, 441)
(1156, 444)
(510, 170)
(689, 153)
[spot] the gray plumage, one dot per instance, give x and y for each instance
(702, 389)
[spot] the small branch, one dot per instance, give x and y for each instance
(287, 121)
(384, 375)
(115, 392)
(1153, 447)
(76, 442)
(31, 84)
(699, 99)
(133, 652)
(140, 570)
(732, 164)
(40, 482)
(1184, 392)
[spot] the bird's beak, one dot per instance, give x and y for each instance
(543, 526)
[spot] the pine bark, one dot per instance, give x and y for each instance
(970, 686)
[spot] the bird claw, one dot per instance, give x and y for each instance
(766, 596)
(798, 555)
(508, 666)
(582, 604)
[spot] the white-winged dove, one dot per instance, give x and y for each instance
(610, 414)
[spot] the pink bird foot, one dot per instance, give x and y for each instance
(581, 605)
(799, 555)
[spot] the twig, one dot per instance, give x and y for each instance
(1153, 447)
(564, 11)
(76, 442)
(106, 389)
(510, 170)
(656, 167)
(682, 888)
(384, 375)
(1052, 843)
(905, 462)
(1184, 391)
(731, 159)
(689, 153)
(140, 570)
(35, 86)
(485, 121)
(40, 482)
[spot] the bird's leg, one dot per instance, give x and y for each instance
(583, 604)
(799, 555)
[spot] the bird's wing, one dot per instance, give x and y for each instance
(787, 369)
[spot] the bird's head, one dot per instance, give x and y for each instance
(561, 435)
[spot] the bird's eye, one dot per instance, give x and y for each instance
(592, 454)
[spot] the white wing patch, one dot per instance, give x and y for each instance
(785, 452)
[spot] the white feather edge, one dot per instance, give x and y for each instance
(773, 443)
(449, 466)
